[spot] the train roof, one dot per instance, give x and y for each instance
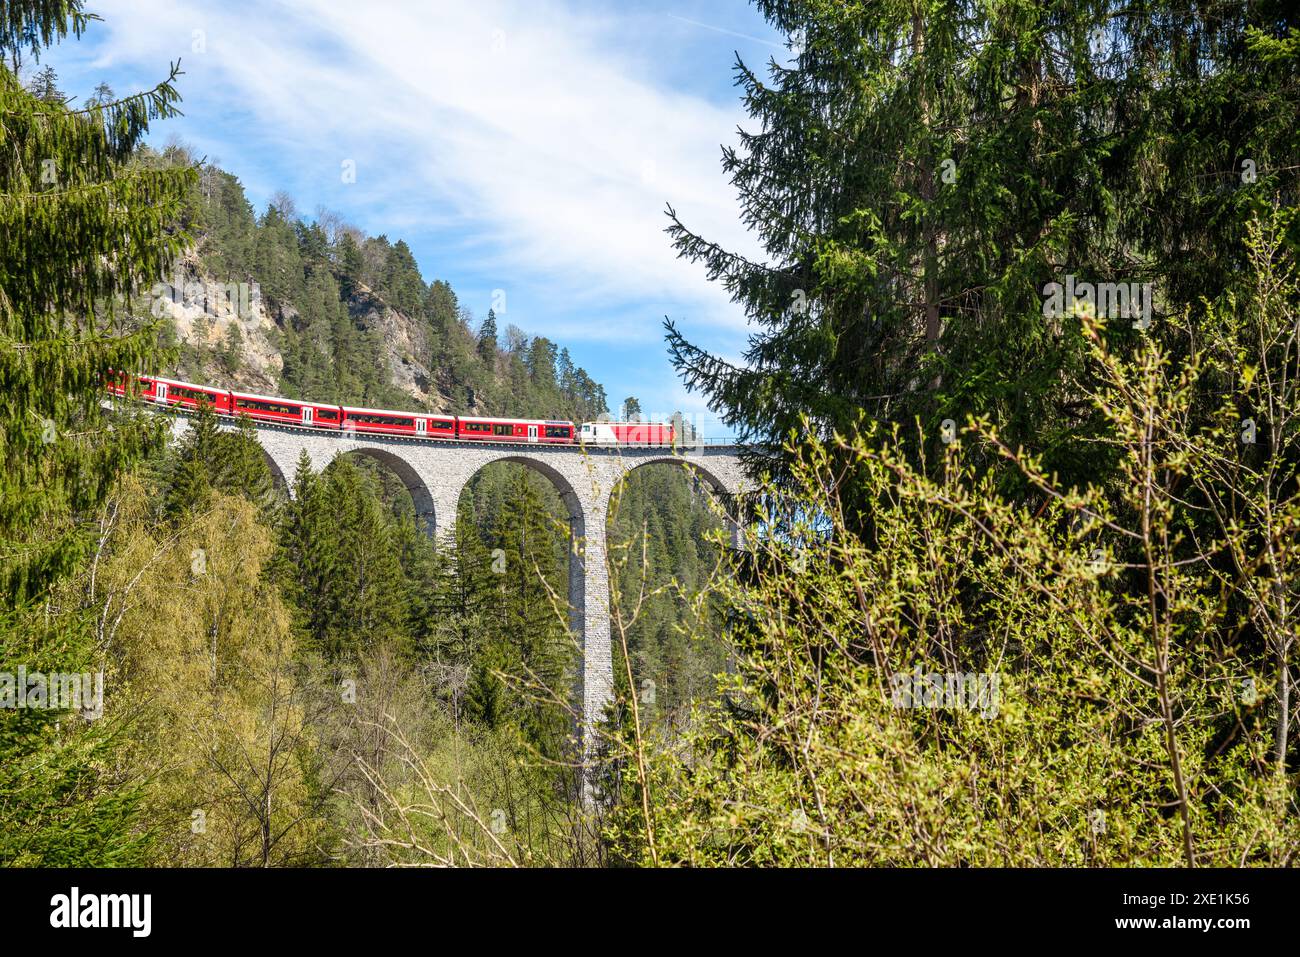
(187, 385)
(510, 418)
(409, 415)
(275, 398)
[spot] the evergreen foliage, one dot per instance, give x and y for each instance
(82, 227)
(918, 174)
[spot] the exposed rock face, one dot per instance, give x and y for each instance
(406, 347)
(204, 311)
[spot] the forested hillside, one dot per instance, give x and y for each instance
(313, 308)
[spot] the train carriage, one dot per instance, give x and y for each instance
(267, 408)
(172, 393)
(541, 431)
(116, 384)
(389, 422)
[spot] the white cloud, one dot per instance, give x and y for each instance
(540, 133)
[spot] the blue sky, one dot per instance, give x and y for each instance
(521, 146)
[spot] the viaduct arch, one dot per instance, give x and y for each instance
(435, 473)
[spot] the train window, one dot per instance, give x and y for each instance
(502, 428)
(443, 424)
(558, 432)
(194, 395)
(258, 406)
(328, 414)
(476, 426)
(383, 420)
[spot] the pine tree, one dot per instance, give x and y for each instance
(367, 593)
(441, 307)
(467, 590)
(278, 262)
(45, 86)
(230, 225)
(403, 286)
(232, 345)
(566, 379)
(80, 228)
(103, 95)
(246, 470)
(350, 263)
(487, 338)
(919, 174)
(530, 645)
(200, 467)
(308, 558)
(541, 364)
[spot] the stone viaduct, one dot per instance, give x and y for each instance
(436, 472)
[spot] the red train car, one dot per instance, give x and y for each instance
(116, 383)
(388, 422)
(268, 408)
(172, 393)
(542, 431)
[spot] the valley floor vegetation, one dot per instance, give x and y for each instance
(1140, 636)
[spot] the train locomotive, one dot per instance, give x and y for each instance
(171, 393)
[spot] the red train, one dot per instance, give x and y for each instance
(171, 393)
